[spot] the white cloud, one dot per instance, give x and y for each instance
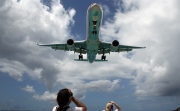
(14, 68)
(47, 96)
(102, 85)
(23, 24)
(29, 89)
(30, 24)
(106, 86)
(156, 67)
(154, 23)
(106, 10)
(79, 89)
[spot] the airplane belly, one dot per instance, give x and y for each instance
(92, 49)
(94, 19)
(92, 46)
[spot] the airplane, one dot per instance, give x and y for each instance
(92, 45)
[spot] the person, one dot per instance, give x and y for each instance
(64, 98)
(109, 106)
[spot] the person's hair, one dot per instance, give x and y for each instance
(63, 98)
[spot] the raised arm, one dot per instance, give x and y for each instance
(79, 103)
(117, 106)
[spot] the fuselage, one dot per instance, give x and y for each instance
(93, 22)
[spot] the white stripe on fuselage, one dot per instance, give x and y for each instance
(94, 14)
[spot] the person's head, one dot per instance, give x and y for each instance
(64, 97)
(109, 106)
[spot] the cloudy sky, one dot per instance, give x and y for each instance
(145, 79)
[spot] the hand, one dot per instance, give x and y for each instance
(71, 94)
(117, 106)
(112, 102)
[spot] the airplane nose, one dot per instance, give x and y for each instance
(95, 7)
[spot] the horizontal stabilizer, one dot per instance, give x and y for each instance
(99, 60)
(96, 60)
(80, 60)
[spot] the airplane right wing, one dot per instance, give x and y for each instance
(105, 47)
(77, 46)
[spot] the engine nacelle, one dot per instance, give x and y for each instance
(114, 45)
(70, 44)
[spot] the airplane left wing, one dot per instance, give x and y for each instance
(55, 46)
(77, 46)
(105, 47)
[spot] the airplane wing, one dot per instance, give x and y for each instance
(105, 47)
(77, 46)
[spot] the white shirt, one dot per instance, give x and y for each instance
(70, 109)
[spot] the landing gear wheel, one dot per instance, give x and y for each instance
(80, 57)
(103, 57)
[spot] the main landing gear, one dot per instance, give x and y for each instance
(103, 56)
(80, 56)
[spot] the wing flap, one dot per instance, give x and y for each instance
(104, 50)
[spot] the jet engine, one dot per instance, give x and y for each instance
(114, 45)
(70, 44)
